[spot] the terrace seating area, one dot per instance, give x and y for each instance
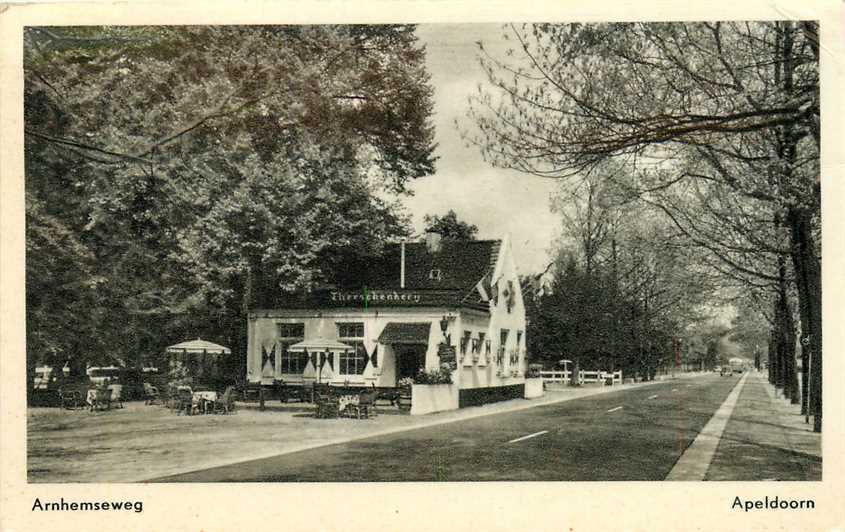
(330, 401)
(316, 400)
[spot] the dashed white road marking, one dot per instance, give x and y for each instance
(653, 396)
(674, 389)
(529, 436)
(615, 409)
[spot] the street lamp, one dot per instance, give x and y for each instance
(444, 326)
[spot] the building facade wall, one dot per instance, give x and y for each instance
(481, 370)
(264, 332)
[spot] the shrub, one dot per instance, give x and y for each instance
(436, 376)
(533, 371)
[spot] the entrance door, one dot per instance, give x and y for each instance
(410, 358)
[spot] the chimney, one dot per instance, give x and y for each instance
(432, 241)
(402, 264)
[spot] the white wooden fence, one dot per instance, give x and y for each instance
(584, 377)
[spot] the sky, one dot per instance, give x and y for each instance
(498, 201)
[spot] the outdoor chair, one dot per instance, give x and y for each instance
(199, 405)
(305, 394)
(99, 399)
(403, 398)
(327, 406)
(366, 406)
(184, 401)
(284, 392)
(173, 398)
(225, 404)
(251, 393)
(70, 399)
(289, 393)
(151, 395)
(116, 394)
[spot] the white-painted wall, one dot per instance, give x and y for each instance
(262, 330)
(428, 398)
(484, 372)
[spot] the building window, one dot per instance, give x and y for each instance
(352, 362)
(503, 342)
(288, 334)
(518, 339)
(353, 330)
(465, 341)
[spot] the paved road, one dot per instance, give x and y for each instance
(635, 434)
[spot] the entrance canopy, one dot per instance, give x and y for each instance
(320, 344)
(405, 333)
(199, 346)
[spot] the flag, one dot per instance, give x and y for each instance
(484, 288)
(494, 290)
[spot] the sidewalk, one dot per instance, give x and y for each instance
(766, 439)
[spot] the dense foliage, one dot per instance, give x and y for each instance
(178, 176)
(715, 123)
(450, 227)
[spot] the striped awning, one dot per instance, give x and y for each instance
(405, 333)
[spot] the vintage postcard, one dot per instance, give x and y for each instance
(421, 266)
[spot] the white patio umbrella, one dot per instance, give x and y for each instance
(199, 346)
(201, 355)
(321, 345)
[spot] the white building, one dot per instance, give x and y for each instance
(386, 322)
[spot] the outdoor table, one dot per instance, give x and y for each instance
(95, 398)
(346, 400)
(204, 396)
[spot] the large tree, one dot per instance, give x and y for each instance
(733, 103)
(175, 176)
(450, 227)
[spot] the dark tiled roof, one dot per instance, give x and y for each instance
(460, 264)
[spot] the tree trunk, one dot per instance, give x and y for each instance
(786, 337)
(805, 382)
(808, 281)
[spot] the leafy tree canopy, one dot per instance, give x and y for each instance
(178, 176)
(450, 227)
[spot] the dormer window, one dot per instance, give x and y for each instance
(435, 275)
